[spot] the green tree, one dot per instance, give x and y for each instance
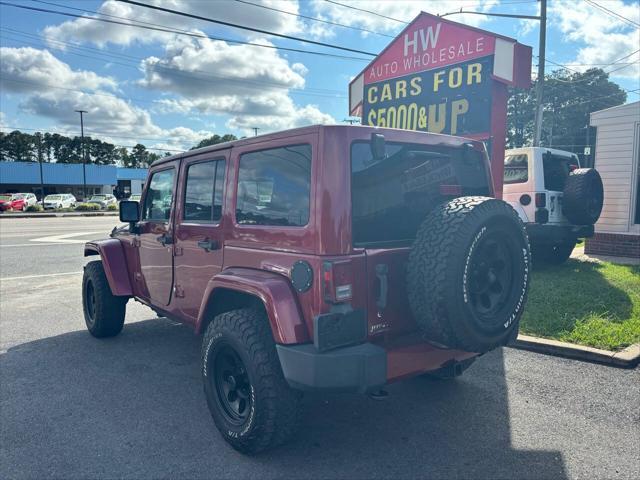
(139, 157)
(18, 147)
(569, 98)
(215, 139)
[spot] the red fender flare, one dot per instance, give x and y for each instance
(114, 262)
(276, 294)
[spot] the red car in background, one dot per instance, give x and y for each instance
(13, 201)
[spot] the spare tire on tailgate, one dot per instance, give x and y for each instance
(468, 274)
(583, 196)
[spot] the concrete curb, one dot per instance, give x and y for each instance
(62, 214)
(627, 358)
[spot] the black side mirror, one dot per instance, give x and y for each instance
(129, 212)
(378, 148)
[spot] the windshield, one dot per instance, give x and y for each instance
(53, 197)
(5, 197)
(99, 197)
(391, 197)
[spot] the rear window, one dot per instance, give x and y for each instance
(391, 197)
(556, 171)
(516, 169)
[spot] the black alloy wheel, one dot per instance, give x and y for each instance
(90, 303)
(232, 385)
(490, 280)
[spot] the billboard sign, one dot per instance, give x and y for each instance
(443, 77)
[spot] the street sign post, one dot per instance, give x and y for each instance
(444, 77)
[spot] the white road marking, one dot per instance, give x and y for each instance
(39, 276)
(31, 244)
(65, 238)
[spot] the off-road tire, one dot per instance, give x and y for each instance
(446, 373)
(275, 408)
(552, 254)
(103, 311)
(443, 278)
(583, 196)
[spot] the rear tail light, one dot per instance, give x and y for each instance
(337, 281)
(541, 200)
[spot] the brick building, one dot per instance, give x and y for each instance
(617, 158)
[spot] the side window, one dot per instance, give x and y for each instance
(157, 202)
(204, 191)
(274, 187)
(516, 169)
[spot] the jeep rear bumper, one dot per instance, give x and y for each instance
(358, 368)
(365, 367)
(555, 234)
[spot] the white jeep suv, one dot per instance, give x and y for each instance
(557, 200)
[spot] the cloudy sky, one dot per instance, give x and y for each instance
(169, 90)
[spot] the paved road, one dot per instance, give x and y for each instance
(73, 407)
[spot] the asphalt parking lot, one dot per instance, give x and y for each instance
(72, 406)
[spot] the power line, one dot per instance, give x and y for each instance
(92, 132)
(73, 90)
(315, 19)
(367, 11)
(245, 27)
(613, 14)
(183, 73)
(160, 28)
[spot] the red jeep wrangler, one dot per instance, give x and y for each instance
(327, 257)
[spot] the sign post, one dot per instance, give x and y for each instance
(444, 77)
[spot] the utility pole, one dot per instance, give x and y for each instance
(540, 85)
(41, 184)
(541, 57)
(84, 156)
(255, 131)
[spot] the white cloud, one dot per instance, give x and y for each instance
(100, 33)
(604, 38)
(249, 84)
(404, 10)
(27, 69)
(29, 72)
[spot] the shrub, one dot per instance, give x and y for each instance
(112, 207)
(87, 207)
(34, 208)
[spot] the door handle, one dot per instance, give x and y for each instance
(381, 272)
(165, 239)
(207, 244)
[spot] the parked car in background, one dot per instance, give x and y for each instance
(135, 197)
(558, 201)
(104, 200)
(30, 199)
(12, 201)
(59, 200)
